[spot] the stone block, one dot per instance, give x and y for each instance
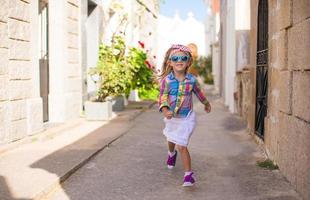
(19, 50)
(74, 2)
(20, 89)
(73, 70)
(4, 89)
(278, 50)
(73, 41)
(73, 26)
(299, 46)
(272, 133)
(20, 70)
(34, 110)
(284, 16)
(17, 130)
(3, 34)
(288, 145)
(286, 86)
(74, 84)
(73, 12)
(302, 132)
(17, 110)
(274, 90)
(4, 68)
(19, 30)
(4, 120)
(73, 102)
(301, 10)
(4, 10)
(19, 10)
(73, 56)
(273, 17)
(301, 95)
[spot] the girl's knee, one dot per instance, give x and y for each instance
(181, 148)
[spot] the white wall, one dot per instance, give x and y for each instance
(58, 56)
(92, 25)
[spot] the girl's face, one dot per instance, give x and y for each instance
(179, 62)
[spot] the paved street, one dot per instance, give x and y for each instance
(223, 158)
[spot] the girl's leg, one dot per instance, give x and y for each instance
(185, 158)
(172, 155)
(171, 146)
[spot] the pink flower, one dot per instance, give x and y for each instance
(148, 64)
(141, 44)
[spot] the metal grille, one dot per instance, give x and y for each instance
(261, 68)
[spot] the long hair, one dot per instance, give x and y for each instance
(166, 68)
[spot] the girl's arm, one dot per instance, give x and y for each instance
(163, 95)
(198, 92)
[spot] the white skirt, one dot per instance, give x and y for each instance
(179, 130)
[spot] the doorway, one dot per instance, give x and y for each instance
(261, 69)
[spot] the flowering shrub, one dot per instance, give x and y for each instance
(111, 69)
(203, 65)
(119, 73)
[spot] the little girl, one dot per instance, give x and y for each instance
(176, 103)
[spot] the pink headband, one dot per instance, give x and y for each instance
(180, 47)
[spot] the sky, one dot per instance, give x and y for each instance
(169, 7)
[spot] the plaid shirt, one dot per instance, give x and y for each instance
(177, 96)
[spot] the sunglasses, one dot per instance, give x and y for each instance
(179, 58)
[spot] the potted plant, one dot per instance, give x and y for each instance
(117, 73)
(111, 76)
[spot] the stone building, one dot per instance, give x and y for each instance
(46, 48)
(39, 67)
(285, 129)
(275, 98)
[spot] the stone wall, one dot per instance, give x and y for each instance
(21, 110)
(287, 124)
(17, 94)
(242, 96)
(73, 73)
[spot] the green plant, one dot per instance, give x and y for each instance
(267, 164)
(142, 71)
(149, 94)
(118, 73)
(112, 73)
(203, 65)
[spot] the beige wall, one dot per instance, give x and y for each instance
(287, 125)
(21, 111)
(20, 104)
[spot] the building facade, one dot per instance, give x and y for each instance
(39, 70)
(279, 82)
(265, 76)
(46, 49)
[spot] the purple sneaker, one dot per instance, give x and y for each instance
(188, 180)
(171, 160)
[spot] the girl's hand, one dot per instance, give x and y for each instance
(167, 113)
(208, 108)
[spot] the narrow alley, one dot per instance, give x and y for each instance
(224, 160)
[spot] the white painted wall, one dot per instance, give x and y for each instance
(58, 56)
(92, 25)
(242, 16)
(230, 55)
